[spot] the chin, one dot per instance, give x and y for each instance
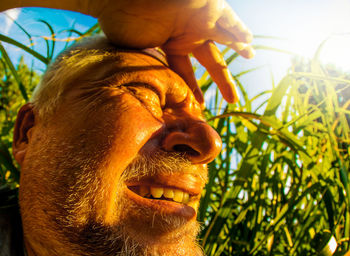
(146, 226)
(140, 226)
(137, 231)
(160, 235)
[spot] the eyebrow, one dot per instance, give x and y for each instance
(126, 76)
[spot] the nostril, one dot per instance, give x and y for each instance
(183, 148)
(199, 142)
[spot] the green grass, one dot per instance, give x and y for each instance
(282, 179)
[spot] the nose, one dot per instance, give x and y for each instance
(196, 139)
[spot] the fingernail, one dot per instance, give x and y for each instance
(251, 53)
(242, 46)
(249, 37)
(248, 52)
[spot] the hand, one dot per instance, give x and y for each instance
(179, 27)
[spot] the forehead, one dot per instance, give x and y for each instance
(144, 67)
(148, 58)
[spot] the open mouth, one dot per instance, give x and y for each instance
(165, 193)
(162, 193)
(176, 194)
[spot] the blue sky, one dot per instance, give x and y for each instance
(301, 26)
(29, 19)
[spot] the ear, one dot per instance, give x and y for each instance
(22, 133)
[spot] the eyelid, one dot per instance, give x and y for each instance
(148, 86)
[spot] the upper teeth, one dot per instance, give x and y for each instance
(169, 193)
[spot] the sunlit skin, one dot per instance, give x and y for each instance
(179, 27)
(80, 185)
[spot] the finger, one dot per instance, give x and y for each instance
(181, 64)
(182, 45)
(245, 50)
(223, 37)
(230, 22)
(210, 57)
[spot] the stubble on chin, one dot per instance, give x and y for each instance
(138, 231)
(157, 233)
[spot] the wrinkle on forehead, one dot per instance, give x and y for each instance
(92, 60)
(128, 66)
(131, 68)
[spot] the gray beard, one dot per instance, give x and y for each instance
(96, 239)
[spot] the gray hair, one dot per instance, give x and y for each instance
(71, 65)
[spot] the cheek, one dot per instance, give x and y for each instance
(113, 121)
(91, 148)
(134, 127)
(111, 131)
(129, 126)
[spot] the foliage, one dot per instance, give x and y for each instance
(282, 178)
(11, 100)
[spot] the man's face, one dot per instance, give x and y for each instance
(120, 166)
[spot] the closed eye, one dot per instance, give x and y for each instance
(133, 85)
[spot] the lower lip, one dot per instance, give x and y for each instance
(162, 206)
